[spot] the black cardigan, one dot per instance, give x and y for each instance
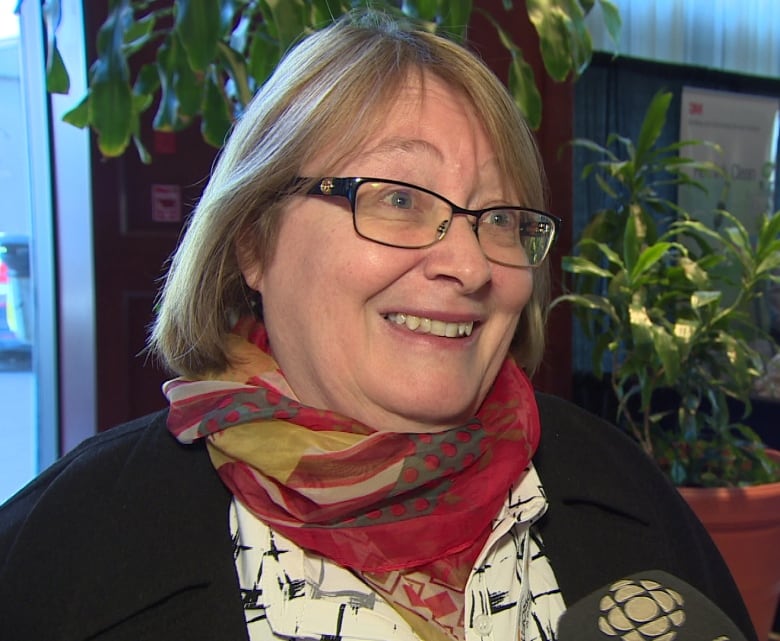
(126, 537)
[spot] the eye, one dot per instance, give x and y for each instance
(399, 199)
(504, 219)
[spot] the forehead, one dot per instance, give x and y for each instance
(422, 117)
(422, 107)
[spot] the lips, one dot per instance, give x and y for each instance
(423, 325)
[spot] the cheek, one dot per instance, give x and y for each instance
(300, 253)
(320, 258)
(513, 289)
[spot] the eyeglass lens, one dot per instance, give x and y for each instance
(404, 216)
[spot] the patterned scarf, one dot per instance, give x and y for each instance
(371, 501)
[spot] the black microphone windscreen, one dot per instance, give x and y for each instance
(647, 606)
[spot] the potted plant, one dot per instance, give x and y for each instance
(667, 301)
(201, 62)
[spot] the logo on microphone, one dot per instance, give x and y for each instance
(641, 610)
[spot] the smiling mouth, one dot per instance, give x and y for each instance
(422, 325)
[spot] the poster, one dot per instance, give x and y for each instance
(746, 129)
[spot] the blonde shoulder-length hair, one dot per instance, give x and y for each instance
(324, 97)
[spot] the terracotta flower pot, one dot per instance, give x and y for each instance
(745, 525)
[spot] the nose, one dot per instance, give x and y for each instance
(458, 256)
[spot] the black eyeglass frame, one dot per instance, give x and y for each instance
(347, 187)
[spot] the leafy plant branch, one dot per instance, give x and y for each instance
(666, 300)
(201, 62)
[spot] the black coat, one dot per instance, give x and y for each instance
(126, 537)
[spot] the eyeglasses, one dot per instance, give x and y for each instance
(399, 214)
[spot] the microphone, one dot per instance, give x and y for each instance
(647, 606)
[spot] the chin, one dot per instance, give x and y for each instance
(433, 419)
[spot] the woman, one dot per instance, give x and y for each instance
(353, 445)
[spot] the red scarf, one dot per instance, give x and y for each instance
(370, 500)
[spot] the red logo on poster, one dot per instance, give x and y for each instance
(695, 109)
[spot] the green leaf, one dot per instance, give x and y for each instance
(143, 152)
(685, 329)
(632, 240)
(521, 82)
(769, 264)
(147, 82)
(594, 147)
(454, 17)
(611, 255)
(612, 20)
(79, 115)
(181, 90)
(641, 325)
(553, 39)
(557, 29)
(769, 228)
(167, 116)
(198, 25)
(667, 350)
(580, 43)
(263, 55)
(139, 34)
(110, 106)
(589, 301)
(286, 21)
(57, 79)
(236, 67)
(653, 124)
(217, 118)
(522, 86)
(111, 97)
(702, 298)
(693, 272)
(323, 12)
(648, 258)
(605, 187)
(579, 265)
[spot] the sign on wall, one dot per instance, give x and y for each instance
(746, 129)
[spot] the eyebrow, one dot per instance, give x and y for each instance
(395, 145)
(398, 146)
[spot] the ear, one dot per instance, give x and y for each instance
(250, 265)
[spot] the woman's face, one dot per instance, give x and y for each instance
(331, 299)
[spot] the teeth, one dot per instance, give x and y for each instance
(428, 326)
